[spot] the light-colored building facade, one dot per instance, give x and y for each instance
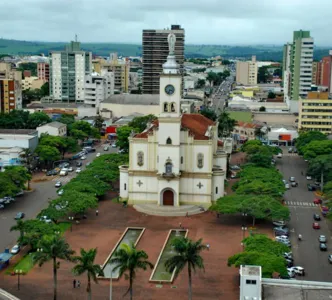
(155, 51)
(22, 138)
(10, 156)
(246, 72)
(98, 87)
(176, 160)
(315, 112)
(67, 73)
(53, 128)
(120, 69)
(43, 71)
(32, 83)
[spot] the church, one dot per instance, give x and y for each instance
(178, 159)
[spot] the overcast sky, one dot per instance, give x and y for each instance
(205, 21)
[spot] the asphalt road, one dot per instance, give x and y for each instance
(306, 253)
(32, 203)
(220, 95)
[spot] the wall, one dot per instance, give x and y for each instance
(120, 110)
(278, 118)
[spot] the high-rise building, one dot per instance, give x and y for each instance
(326, 64)
(316, 72)
(301, 59)
(246, 72)
(10, 88)
(155, 51)
(286, 76)
(43, 71)
(68, 69)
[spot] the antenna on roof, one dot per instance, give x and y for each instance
(75, 37)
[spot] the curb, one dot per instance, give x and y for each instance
(7, 295)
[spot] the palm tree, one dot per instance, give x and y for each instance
(86, 264)
(52, 248)
(20, 226)
(27, 159)
(226, 124)
(129, 259)
(188, 253)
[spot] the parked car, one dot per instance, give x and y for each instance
(311, 187)
(322, 239)
(281, 228)
(7, 200)
(291, 273)
(235, 167)
(58, 184)
(288, 255)
(20, 193)
(78, 170)
(315, 225)
(291, 179)
(63, 173)
(45, 219)
(287, 186)
(330, 258)
(286, 242)
(19, 215)
(323, 247)
(295, 150)
(325, 208)
(289, 263)
(83, 157)
(290, 150)
(294, 184)
(16, 249)
(279, 155)
(114, 145)
(317, 201)
(51, 173)
(317, 183)
(98, 154)
(106, 148)
(70, 169)
(60, 192)
(309, 177)
(279, 223)
(79, 164)
(298, 270)
(317, 217)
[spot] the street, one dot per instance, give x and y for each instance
(32, 203)
(306, 253)
(220, 95)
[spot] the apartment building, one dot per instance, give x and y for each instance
(68, 69)
(326, 65)
(316, 72)
(246, 72)
(155, 51)
(98, 87)
(32, 83)
(10, 88)
(301, 64)
(43, 71)
(315, 112)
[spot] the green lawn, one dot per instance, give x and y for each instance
(244, 116)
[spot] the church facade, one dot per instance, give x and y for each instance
(177, 159)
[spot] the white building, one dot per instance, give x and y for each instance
(246, 71)
(53, 128)
(22, 138)
(250, 282)
(10, 157)
(176, 160)
(98, 87)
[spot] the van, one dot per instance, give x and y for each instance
(63, 173)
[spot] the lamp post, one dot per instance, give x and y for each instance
(71, 223)
(111, 284)
(57, 232)
(244, 228)
(18, 273)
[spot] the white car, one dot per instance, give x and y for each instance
(298, 270)
(70, 169)
(279, 155)
(282, 238)
(78, 170)
(287, 186)
(16, 249)
(61, 192)
(45, 219)
(58, 184)
(98, 154)
(83, 157)
(309, 177)
(279, 223)
(291, 273)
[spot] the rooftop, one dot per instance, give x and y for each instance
(250, 270)
(133, 99)
(54, 124)
(18, 131)
(10, 149)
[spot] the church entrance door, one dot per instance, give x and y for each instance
(168, 198)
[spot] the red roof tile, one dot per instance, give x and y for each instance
(197, 125)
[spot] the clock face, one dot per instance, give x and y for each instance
(169, 89)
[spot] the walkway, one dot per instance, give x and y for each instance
(169, 211)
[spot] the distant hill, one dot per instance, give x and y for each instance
(262, 52)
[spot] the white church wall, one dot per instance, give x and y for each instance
(169, 130)
(136, 148)
(173, 185)
(143, 189)
(190, 193)
(165, 153)
(206, 150)
(218, 187)
(124, 187)
(221, 160)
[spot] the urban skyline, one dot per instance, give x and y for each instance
(240, 23)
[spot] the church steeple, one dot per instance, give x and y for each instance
(171, 66)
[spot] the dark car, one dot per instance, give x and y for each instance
(311, 187)
(317, 217)
(52, 172)
(280, 233)
(322, 247)
(79, 164)
(19, 215)
(294, 184)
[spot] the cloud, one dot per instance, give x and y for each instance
(205, 21)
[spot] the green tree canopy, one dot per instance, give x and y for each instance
(316, 148)
(209, 113)
(78, 202)
(7, 186)
(123, 134)
(48, 154)
(321, 168)
(45, 89)
(99, 121)
(263, 75)
(18, 175)
(226, 124)
(270, 263)
(271, 95)
(140, 123)
(306, 137)
(200, 83)
(37, 119)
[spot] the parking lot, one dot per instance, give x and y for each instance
(306, 253)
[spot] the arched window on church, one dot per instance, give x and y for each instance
(173, 107)
(169, 141)
(200, 160)
(165, 107)
(140, 158)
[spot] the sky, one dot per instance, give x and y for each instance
(220, 22)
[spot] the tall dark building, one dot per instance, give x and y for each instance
(155, 51)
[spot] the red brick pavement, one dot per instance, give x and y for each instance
(217, 282)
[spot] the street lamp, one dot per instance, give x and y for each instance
(244, 229)
(57, 232)
(111, 284)
(71, 223)
(18, 273)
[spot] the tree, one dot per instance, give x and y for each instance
(321, 167)
(209, 113)
(140, 123)
(86, 264)
(249, 144)
(99, 121)
(18, 175)
(188, 253)
(270, 263)
(328, 190)
(261, 159)
(211, 77)
(200, 83)
(53, 213)
(48, 154)
(271, 95)
(260, 187)
(20, 225)
(316, 148)
(277, 72)
(52, 249)
(78, 134)
(7, 186)
(45, 89)
(308, 136)
(262, 108)
(78, 202)
(67, 119)
(129, 259)
(37, 119)
(15, 119)
(256, 206)
(123, 134)
(226, 124)
(26, 157)
(263, 75)
(29, 67)
(82, 126)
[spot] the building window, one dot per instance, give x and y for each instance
(200, 160)
(181, 159)
(168, 168)
(248, 281)
(125, 186)
(165, 107)
(173, 107)
(140, 158)
(169, 141)
(216, 190)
